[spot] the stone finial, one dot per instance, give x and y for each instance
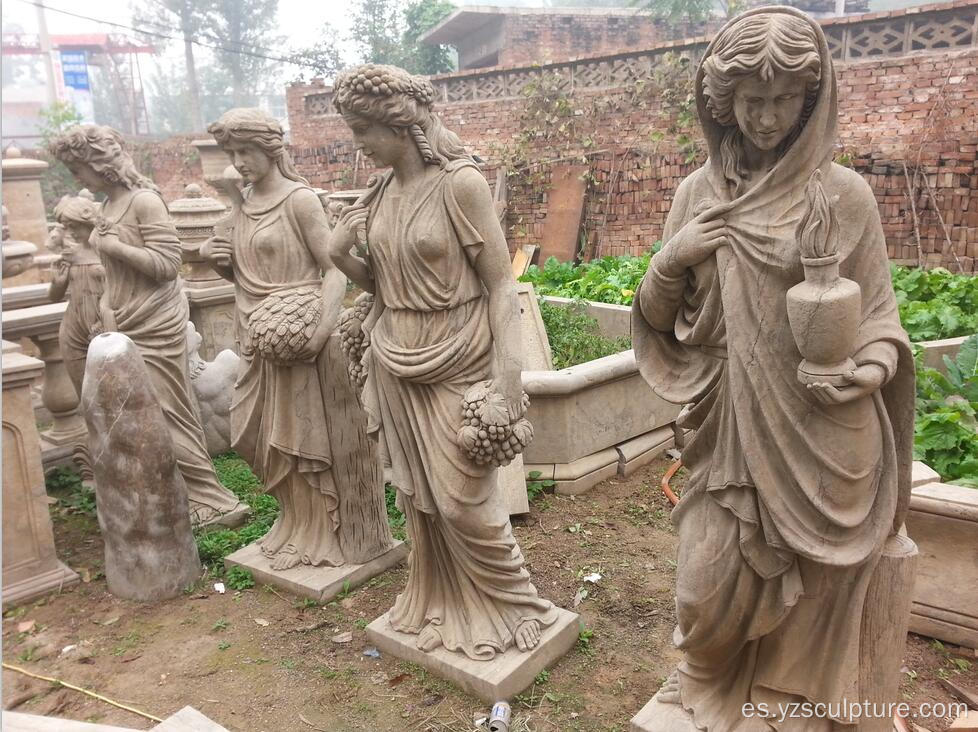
(193, 190)
(13, 152)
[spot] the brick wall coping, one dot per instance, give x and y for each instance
(938, 27)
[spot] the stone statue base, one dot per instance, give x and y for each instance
(321, 584)
(501, 678)
(659, 717)
(30, 588)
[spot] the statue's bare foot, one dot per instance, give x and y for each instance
(285, 558)
(528, 635)
(428, 639)
(669, 691)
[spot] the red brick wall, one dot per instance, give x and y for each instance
(172, 164)
(545, 37)
(922, 109)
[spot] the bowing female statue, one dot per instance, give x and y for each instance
(143, 299)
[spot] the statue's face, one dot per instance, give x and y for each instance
(86, 175)
(249, 160)
(768, 111)
(379, 142)
(78, 232)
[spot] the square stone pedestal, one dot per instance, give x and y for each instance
(321, 584)
(658, 717)
(499, 679)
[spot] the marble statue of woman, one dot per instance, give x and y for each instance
(80, 275)
(294, 416)
(437, 262)
(143, 299)
(794, 487)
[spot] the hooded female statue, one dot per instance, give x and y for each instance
(793, 488)
(436, 259)
(143, 299)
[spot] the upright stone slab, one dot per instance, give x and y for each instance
(150, 552)
(30, 567)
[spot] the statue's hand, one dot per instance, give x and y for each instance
(344, 234)
(863, 381)
(217, 251)
(694, 242)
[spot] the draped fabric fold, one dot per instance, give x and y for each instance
(279, 415)
(789, 501)
(153, 312)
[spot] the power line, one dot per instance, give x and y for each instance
(169, 37)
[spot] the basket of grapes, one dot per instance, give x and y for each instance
(284, 322)
(487, 435)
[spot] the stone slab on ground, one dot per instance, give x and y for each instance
(659, 717)
(20, 722)
(188, 719)
(317, 583)
(502, 678)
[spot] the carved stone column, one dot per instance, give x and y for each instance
(40, 324)
(58, 394)
(30, 567)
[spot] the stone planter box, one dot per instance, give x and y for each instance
(613, 320)
(943, 521)
(593, 421)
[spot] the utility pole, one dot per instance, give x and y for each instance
(45, 39)
(840, 7)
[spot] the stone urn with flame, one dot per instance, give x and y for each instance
(824, 310)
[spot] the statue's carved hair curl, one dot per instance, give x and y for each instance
(392, 96)
(762, 44)
(76, 209)
(253, 126)
(103, 149)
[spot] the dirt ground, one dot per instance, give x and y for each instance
(261, 660)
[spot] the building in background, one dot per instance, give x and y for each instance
(74, 61)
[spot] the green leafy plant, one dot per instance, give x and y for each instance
(537, 485)
(610, 280)
(214, 545)
(73, 495)
(934, 303)
(584, 639)
(946, 428)
(574, 336)
(394, 516)
(239, 578)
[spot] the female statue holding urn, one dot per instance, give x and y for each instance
(445, 318)
(794, 486)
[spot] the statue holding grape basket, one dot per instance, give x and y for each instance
(295, 417)
(442, 386)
